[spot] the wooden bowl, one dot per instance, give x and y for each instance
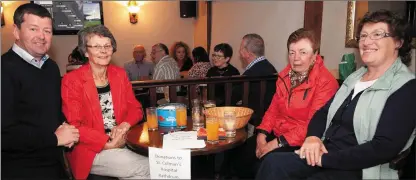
(243, 114)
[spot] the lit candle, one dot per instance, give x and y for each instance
(229, 124)
(196, 116)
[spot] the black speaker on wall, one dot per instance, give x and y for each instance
(187, 9)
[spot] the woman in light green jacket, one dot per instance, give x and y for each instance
(368, 122)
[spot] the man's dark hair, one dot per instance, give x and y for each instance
(29, 8)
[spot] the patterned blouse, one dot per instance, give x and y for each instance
(199, 69)
(107, 109)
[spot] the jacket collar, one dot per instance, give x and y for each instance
(383, 82)
(313, 74)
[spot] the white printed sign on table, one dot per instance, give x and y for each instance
(169, 163)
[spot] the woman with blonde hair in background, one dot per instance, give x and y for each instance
(180, 52)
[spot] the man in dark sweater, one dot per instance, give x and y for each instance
(32, 133)
(252, 53)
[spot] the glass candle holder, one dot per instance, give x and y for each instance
(166, 93)
(196, 103)
(230, 124)
(209, 104)
(197, 118)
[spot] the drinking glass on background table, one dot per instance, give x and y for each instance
(197, 118)
(208, 104)
(229, 123)
(181, 117)
(196, 103)
(166, 93)
(212, 130)
(151, 118)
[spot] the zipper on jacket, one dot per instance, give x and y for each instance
(305, 94)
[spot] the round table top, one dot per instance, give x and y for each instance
(139, 140)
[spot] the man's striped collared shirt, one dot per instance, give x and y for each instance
(261, 58)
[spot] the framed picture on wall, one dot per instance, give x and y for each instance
(71, 16)
(357, 9)
(2, 19)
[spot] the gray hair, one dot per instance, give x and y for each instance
(254, 43)
(85, 34)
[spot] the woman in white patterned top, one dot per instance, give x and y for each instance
(98, 99)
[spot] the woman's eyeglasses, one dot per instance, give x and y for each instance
(373, 36)
(216, 56)
(105, 47)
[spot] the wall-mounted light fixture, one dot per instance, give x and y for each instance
(133, 8)
(2, 16)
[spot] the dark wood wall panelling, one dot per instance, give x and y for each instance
(313, 17)
(209, 25)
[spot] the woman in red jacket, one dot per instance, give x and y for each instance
(304, 86)
(98, 100)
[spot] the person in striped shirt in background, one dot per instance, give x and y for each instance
(166, 67)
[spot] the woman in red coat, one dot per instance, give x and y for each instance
(304, 86)
(98, 100)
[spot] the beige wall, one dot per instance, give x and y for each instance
(333, 33)
(158, 22)
(7, 38)
(200, 29)
(273, 20)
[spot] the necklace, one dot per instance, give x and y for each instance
(222, 71)
(102, 78)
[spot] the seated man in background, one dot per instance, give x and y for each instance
(252, 53)
(166, 67)
(138, 67)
